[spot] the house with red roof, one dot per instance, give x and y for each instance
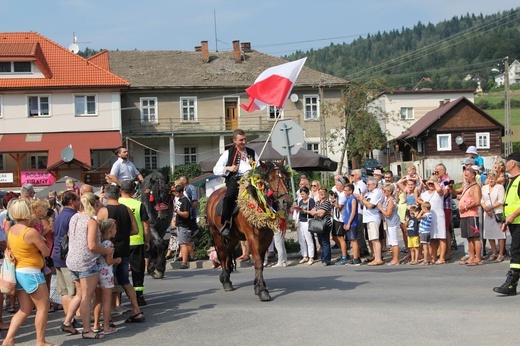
(60, 114)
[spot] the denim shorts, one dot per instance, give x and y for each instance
(29, 282)
(81, 275)
(122, 273)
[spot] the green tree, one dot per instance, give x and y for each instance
(360, 132)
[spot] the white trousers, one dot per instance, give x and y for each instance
(305, 240)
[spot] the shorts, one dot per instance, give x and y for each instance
(106, 277)
(81, 275)
(469, 227)
(413, 241)
(351, 234)
(121, 272)
(337, 229)
(392, 235)
(184, 235)
(425, 238)
(29, 282)
(65, 284)
(373, 230)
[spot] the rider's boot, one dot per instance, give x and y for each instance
(224, 230)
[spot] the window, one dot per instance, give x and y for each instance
(1, 162)
(149, 110)
(482, 140)
(313, 147)
(407, 113)
(15, 67)
(38, 105)
(312, 106)
(190, 155)
(38, 162)
(444, 142)
(85, 104)
(150, 158)
(188, 108)
(273, 112)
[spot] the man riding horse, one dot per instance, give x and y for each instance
(233, 164)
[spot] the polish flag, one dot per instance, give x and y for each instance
(273, 86)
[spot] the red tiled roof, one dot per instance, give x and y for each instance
(53, 143)
(101, 59)
(65, 69)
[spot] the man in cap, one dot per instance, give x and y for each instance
(512, 222)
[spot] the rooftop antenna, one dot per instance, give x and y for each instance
(74, 47)
(215, 23)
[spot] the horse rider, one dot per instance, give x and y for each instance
(123, 169)
(233, 164)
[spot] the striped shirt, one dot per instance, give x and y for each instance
(426, 223)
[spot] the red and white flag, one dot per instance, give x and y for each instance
(273, 86)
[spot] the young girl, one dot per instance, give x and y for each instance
(107, 228)
(212, 253)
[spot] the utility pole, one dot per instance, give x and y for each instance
(508, 145)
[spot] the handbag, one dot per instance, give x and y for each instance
(317, 225)
(499, 217)
(7, 274)
(64, 247)
(54, 296)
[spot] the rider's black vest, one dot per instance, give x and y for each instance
(234, 159)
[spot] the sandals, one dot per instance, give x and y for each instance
(472, 264)
(68, 329)
(499, 259)
(374, 263)
(492, 257)
(424, 264)
(303, 260)
(91, 335)
(135, 319)
(439, 262)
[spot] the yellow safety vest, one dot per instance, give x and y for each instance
(512, 201)
(135, 206)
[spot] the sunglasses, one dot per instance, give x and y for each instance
(314, 185)
(435, 172)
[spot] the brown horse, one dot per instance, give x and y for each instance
(273, 177)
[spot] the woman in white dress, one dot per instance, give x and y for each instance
(434, 195)
(492, 203)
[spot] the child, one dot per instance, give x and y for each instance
(212, 253)
(424, 231)
(107, 228)
(412, 230)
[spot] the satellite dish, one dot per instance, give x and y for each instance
(294, 98)
(67, 154)
(74, 48)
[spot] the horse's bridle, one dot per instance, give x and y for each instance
(279, 182)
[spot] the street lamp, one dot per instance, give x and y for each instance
(508, 144)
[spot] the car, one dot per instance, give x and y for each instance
(371, 165)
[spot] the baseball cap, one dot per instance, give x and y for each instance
(469, 161)
(514, 157)
(472, 150)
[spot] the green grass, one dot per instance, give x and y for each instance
(498, 114)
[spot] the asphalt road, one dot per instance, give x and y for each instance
(335, 305)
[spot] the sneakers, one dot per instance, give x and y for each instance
(76, 324)
(341, 262)
(356, 262)
(184, 266)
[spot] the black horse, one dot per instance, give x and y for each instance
(156, 198)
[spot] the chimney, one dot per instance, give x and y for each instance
(441, 102)
(446, 101)
(246, 46)
(198, 48)
(237, 54)
(205, 51)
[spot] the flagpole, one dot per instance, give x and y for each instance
(280, 114)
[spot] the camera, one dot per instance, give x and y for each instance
(424, 181)
(451, 182)
(333, 194)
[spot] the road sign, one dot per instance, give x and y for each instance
(287, 133)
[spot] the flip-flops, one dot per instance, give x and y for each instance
(91, 335)
(134, 319)
(472, 264)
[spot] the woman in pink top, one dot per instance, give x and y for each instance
(470, 196)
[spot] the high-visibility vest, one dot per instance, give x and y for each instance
(135, 206)
(512, 201)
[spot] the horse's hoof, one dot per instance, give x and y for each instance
(264, 296)
(228, 287)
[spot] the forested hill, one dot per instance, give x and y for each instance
(444, 52)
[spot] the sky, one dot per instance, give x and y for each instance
(274, 27)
